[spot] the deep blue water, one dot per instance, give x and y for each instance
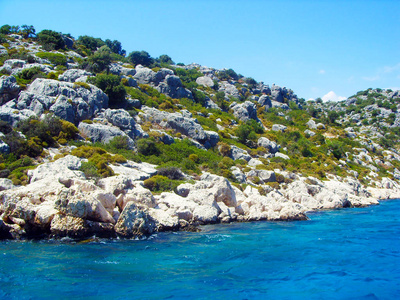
(341, 254)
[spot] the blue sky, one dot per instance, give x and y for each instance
(317, 48)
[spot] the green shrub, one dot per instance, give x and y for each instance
(54, 58)
(99, 61)
(119, 142)
(159, 183)
(31, 73)
(90, 170)
(111, 85)
(147, 147)
(89, 43)
(172, 173)
(5, 127)
(45, 130)
(50, 40)
(115, 46)
(82, 84)
(141, 58)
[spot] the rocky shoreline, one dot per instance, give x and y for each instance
(60, 202)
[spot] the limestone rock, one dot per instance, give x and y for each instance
(134, 222)
(67, 166)
(68, 101)
(205, 81)
(118, 69)
(238, 153)
(73, 75)
(309, 132)
(73, 227)
(6, 184)
(184, 125)
(4, 148)
(264, 100)
(9, 89)
(102, 133)
(244, 111)
(141, 196)
(279, 127)
(229, 89)
(271, 146)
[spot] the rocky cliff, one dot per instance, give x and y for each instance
(113, 148)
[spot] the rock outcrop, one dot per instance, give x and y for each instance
(70, 102)
(9, 89)
(185, 125)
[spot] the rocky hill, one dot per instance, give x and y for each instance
(94, 142)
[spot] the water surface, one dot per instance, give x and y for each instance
(340, 254)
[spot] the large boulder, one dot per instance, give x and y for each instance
(69, 101)
(97, 132)
(164, 81)
(134, 222)
(172, 87)
(4, 148)
(244, 111)
(238, 153)
(73, 75)
(279, 127)
(9, 89)
(117, 69)
(229, 89)
(184, 125)
(67, 166)
(10, 113)
(265, 101)
(205, 81)
(271, 146)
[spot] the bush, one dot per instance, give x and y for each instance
(20, 146)
(100, 60)
(89, 42)
(172, 173)
(44, 130)
(140, 58)
(115, 46)
(165, 59)
(54, 58)
(227, 75)
(50, 40)
(90, 170)
(224, 149)
(111, 85)
(31, 73)
(159, 183)
(147, 147)
(5, 127)
(119, 142)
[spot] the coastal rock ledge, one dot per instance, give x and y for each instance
(60, 202)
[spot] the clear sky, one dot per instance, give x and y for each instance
(317, 48)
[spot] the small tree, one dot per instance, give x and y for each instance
(100, 59)
(115, 46)
(111, 85)
(332, 116)
(165, 59)
(28, 31)
(50, 40)
(5, 29)
(140, 58)
(89, 42)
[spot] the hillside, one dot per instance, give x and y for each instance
(97, 142)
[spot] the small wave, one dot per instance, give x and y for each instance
(218, 237)
(107, 262)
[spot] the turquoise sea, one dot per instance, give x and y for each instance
(340, 254)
